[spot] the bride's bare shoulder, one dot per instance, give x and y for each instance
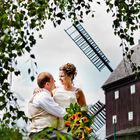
(54, 91)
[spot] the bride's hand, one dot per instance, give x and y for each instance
(37, 90)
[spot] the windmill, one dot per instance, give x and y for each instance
(88, 46)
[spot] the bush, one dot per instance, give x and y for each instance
(7, 133)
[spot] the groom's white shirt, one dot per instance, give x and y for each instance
(43, 111)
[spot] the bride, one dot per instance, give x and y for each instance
(67, 93)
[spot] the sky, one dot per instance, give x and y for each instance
(57, 48)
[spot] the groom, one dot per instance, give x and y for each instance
(43, 110)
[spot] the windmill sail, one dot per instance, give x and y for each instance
(83, 40)
(98, 110)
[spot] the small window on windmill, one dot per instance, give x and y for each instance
(132, 89)
(116, 94)
(114, 119)
(130, 116)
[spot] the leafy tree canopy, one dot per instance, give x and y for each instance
(19, 19)
(126, 17)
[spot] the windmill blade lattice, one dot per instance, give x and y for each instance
(98, 110)
(83, 40)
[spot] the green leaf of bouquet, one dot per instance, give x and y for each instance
(68, 130)
(68, 110)
(61, 136)
(65, 117)
(71, 105)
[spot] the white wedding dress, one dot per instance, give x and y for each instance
(64, 99)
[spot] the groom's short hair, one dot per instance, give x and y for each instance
(42, 78)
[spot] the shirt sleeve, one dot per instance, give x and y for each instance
(45, 101)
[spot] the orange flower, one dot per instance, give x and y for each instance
(88, 129)
(83, 137)
(77, 123)
(78, 114)
(67, 123)
(85, 119)
(73, 116)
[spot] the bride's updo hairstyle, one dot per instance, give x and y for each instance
(69, 69)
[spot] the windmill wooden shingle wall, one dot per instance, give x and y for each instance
(122, 93)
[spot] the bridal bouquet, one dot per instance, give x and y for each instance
(78, 122)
